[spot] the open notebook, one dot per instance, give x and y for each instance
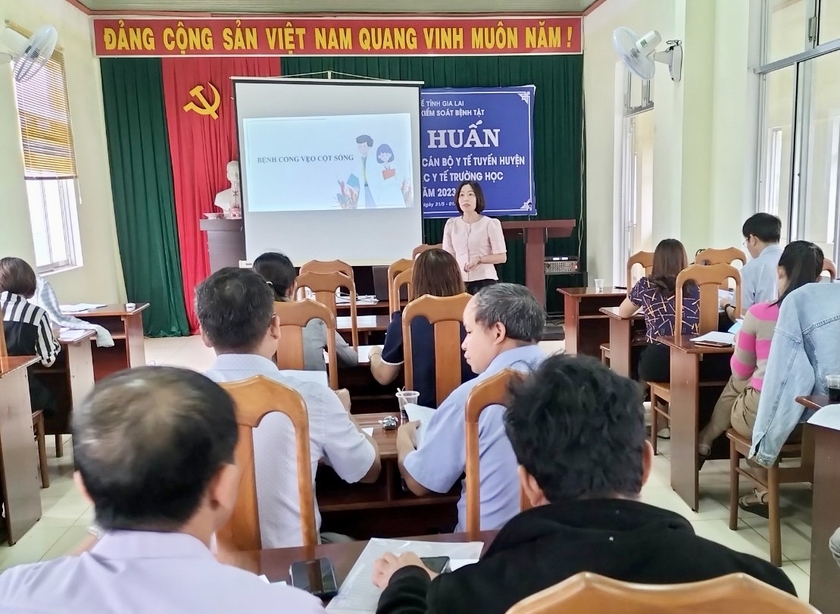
(421, 414)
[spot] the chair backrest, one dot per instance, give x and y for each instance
(711, 255)
(709, 279)
(293, 316)
(445, 314)
(4, 352)
(254, 398)
(492, 391)
(586, 592)
(324, 286)
(644, 259)
(403, 264)
(828, 267)
(327, 266)
(401, 279)
(422, 248)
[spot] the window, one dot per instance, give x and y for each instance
(799, 173)
(49, 165)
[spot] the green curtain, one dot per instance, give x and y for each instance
(558, 132)
(141, 180)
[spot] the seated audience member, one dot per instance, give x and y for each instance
(27, 326)
(656, 296)
(834, 545)
(154, 450)
(279, 271)
(578, 433)
(46, 298)
(235, 309)
(504, 322)
(762, 233)
(436, 273)
(803, 352)
(801, 263)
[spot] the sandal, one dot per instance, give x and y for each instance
(755, 503)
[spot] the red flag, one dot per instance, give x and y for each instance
(201, 122)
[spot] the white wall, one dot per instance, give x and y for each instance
(100, 278)
(704, 142)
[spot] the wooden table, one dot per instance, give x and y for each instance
(384, 508)
(126, 327)
(685, 410)
(622, 333)
(20, 473)
(274, 564)
(585, 326)
(70, 379)
(825, 513)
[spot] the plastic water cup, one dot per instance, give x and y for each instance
(599, 285)
(404, 397)
(833, 384)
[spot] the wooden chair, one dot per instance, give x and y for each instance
(324, 286)
(770, 479)
(293, 316)
(445, 314)
(327, 266)
(492, 391)
(254, 398)
(828, 267)
(395, 289)
(422, 248)
(709, 279)
(711, 255)
(403, 264)
(587, 593)
(645, 260)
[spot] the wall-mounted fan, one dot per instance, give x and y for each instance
(640, 55)
(29, 54)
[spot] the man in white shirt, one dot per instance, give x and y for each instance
(762, 233)
(235, 309)
(504, 322)
(154, 448)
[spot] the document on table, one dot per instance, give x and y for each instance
(368, 430)
(421, 414)
(68, 335)
(80, 307)
(828, 417)
(358, 594)
(715, 338)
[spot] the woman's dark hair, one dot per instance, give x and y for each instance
(479, 195)
(803, 263)
(277, 270)
(669, 258)
(17, 277)
(384, 149)
(436, 272)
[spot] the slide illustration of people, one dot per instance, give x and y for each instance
(369, 185)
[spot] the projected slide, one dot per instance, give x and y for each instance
(328, 163)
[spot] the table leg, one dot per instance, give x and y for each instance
(825, 574)
(136, 349)
(684, 408)
(620, 344)
(571, 306)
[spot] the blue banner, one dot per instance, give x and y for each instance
(480, 134)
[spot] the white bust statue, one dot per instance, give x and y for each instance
(229, 200)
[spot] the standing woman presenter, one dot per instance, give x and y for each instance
(475, 240)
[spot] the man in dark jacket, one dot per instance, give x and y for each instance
(578, 433)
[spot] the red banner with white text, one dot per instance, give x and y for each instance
(201, 122)
(358, 35)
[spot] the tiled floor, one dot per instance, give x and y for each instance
(67, 514)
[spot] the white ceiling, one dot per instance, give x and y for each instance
(341, 6)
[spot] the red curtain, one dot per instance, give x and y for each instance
(202, 140)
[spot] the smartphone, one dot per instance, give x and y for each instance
(437, 564)
(315, 576)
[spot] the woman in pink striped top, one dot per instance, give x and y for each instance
(801, 263)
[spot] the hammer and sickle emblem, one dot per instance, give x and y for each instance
(206, 108)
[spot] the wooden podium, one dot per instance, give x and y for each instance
(225, 242)
(535, 233)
